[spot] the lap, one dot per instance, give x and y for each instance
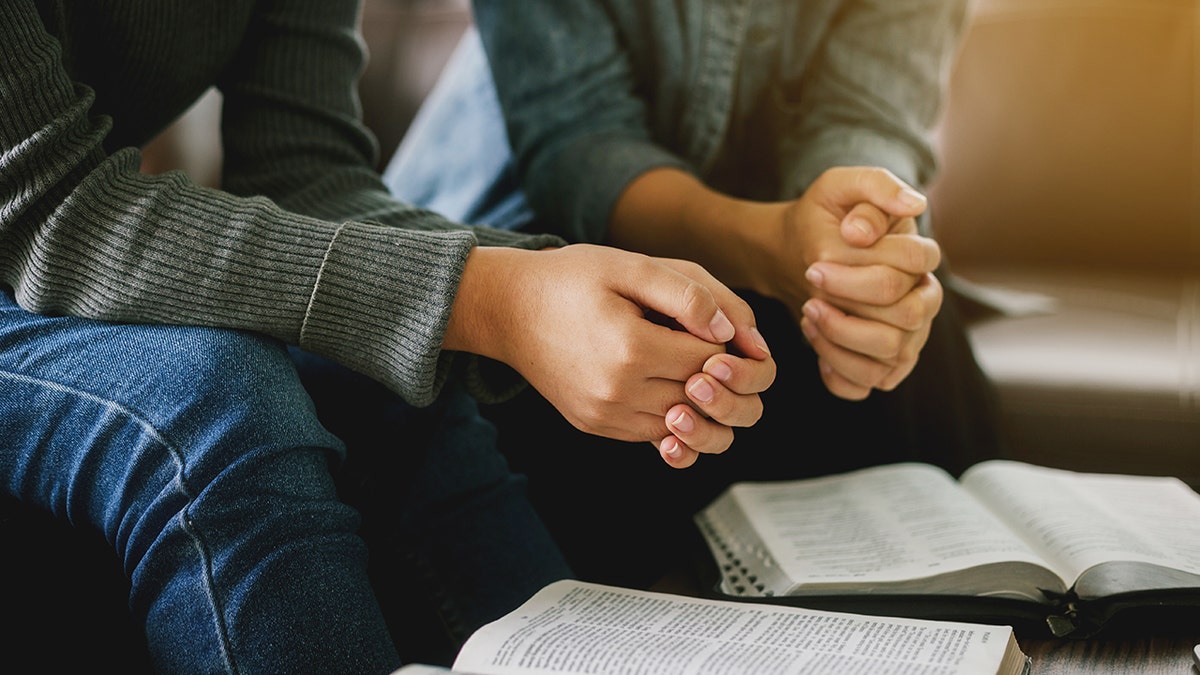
(625, 502)
(95, 420)
(90, 409)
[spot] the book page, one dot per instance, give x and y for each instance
(577, 627)
(882, 524)
(1083, 519)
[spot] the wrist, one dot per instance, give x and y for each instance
(755, 240)
(481, 313)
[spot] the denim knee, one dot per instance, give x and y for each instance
(80, 394)
(197, 453)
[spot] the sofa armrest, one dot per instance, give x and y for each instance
(1070, 168)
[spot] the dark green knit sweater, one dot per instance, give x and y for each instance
(303, 243)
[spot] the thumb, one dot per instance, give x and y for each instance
(842, 188)
(864, 225)
(686, 300)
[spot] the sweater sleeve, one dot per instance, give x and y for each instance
(359, 278)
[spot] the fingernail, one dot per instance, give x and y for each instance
(683, 422)
(721, 327)
(720, 370)
(862, 226)
(814, 276)
(670, 448)
(812, 311)
(911, 198)
(758, 340)
(702, 391)
(809, 330)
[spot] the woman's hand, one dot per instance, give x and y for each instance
(623, 345)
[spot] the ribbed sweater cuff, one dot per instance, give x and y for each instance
(382, 301)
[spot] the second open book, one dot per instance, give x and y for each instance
(1024, 543)
(572, 628)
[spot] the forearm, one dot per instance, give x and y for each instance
(670, 213)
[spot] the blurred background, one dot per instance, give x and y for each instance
(1070, 150)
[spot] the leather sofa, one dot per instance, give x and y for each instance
(1070, 183)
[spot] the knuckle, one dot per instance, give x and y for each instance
(893, 346)
(876, 176)
(755, 412)
(767, 375)
(693, 298)
(912, 315)
(921, 254)
(829, 174)
(591, 413)
(720, 441)
(936, 293)
(917, 257)
(879, 375)
(605, 396)
(586, 425)
(934, 254)
(625, 355)
(894, 286)
(852, 392)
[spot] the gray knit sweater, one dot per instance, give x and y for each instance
(302, 243)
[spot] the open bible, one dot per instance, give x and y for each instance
(577, 627)
(1046, 550)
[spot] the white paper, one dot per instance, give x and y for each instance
(1084, 519)
(883, 524)
(575, 627)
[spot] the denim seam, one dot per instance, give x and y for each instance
(186, 521)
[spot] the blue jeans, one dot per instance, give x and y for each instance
(202, 459)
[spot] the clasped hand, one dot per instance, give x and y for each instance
(623, 345)
(867, 295)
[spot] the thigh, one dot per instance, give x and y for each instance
(454, 541)
(197, 455)
(410, 461)
(100, 426)
(100, 416)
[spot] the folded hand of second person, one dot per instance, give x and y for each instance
(868, 294)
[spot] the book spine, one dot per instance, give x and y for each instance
(747, 569)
